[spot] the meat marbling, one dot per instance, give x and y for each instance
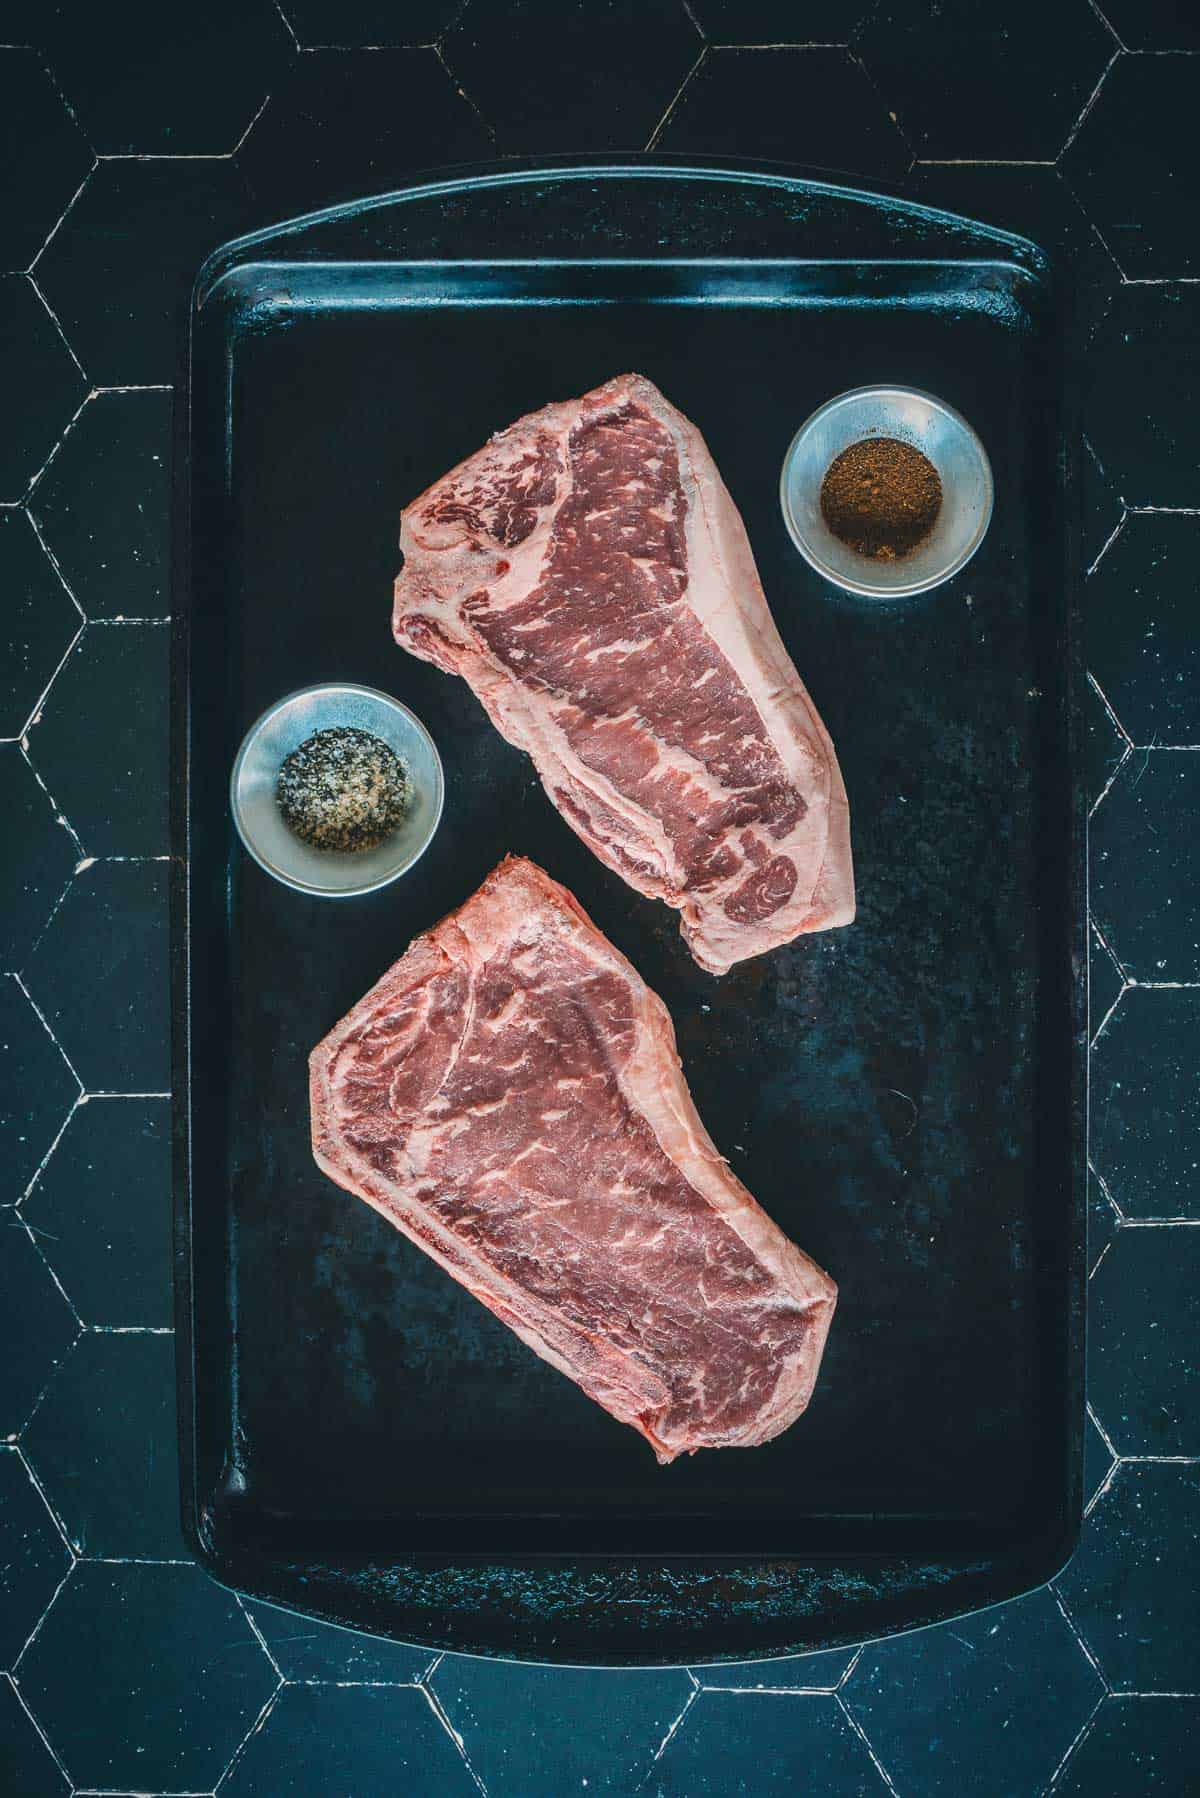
(509, 1096)
(589, 575)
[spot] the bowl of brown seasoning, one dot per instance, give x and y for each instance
(337, 790)
(886, 491)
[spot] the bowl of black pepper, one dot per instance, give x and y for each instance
(336, 790)
(886, 491)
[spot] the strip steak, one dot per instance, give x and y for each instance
(510, 1097)
(588, 574)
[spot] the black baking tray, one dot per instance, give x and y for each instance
(360, 1439)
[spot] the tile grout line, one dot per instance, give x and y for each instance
(253, 1730)
(861, 1733)
(459, 89)
(1108, 541)
(57, 225)
(60, 816)
(1084, 1730)
(688, 1702)
(35, 480)
(435, 1705)
(652, 140)
(31, 1638)
(1108, 26)
(1088, 105)
(53, 316)
(1070, 1623)
(36, 1483)
(45, 1026)
(45, 1740)
(259, 1638)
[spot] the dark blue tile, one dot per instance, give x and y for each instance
(33, 1556)
(39, 622)
(41, 385)
(145, 1677)
(311, 1651)
(536, 1732)
(348, 122)
(99, 974)
(976, 79)
(100, 743)
(27, 1768)
(812, 106)
(119, 271)
(1145, 1107)
(572, 74)
(1142, 643)
(1144, 895)
(1143, 371)
(1144, 1747)
(318, 1741)
(778, 21)
(1133, 165)
(101, 1211)
(797, 1673)
(1105, 748)
(1098, 1462)
(102, 505)
(1105, 983)
(757, 1745)
(1143, 1338)
(168, 81)
(1154, 24)
(1006, 1690)
(36, 1091)
(1130, 1587)
(37, 861)
(103, 1444)
(37, 1327)
(43, 153)
(360, 24)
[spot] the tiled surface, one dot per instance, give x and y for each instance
(135, 140)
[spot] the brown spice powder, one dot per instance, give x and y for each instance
(881, 497)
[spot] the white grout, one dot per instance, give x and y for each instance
(1070, 1623)
(435, 1705)
(459, 89)
(57, 225)
(859, 1731)
(1089, 103)
(652, 140)
(36, 1483)
(1084, 1730)
(45, 1740)
(45, 1026)
(53, 316)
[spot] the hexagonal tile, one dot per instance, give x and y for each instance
(764, 1745)
(1144, 894)
(99, 974)
(1145, 1107)
(44, 154)
(1130, 1586)
(1142, 604)
(103, 505)
(100, 743)
(321, 1653)
(814, 106)
(1105, 746)
(1143, 1327)
(33, 1557)
(38, 858)
(974, 79)
(165, 81)
(1145, 1746)
(25, 1760)
(37, 1090)
(536, 1732)
(361, 24)
(564, 75)
(353, 122)
(41, 385)
(1143, 368)
(101, 1210)
(174, 1677)
(1132, 165)
(821, 1672)
(1098, 1461)
(317, 1741)
(103, 1444)
(778, 21)
(1007, 1688)
(119, 270)
(37, 1327)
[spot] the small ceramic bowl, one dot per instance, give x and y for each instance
(327, 873)
(941, 434)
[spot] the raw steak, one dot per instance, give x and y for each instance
(509, 1095)
(589, 575)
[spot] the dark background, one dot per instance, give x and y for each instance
(134, 141)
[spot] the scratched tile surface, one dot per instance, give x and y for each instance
(135, 140)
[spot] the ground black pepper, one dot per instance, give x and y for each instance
(342, 789)
(881, 497)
